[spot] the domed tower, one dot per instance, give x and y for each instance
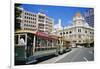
(78, 19)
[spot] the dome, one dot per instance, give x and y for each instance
(78, 14)
(78, 19)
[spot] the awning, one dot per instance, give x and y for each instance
(43, 35)
(46, 36)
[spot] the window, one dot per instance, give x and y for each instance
(25, 13)
(60, 33)
(34, 22)
(22, 40)
(24, 20)
(41, 17)
(79, 40)
(29, 14)
(25, 16)
(31, 18)
(70, 32)
(41, 24)
(16, 39)
(50, 43)
(66, 32)
(27, 21)
(85, 31)
(63, 32)
(79, 36)
(79, 30)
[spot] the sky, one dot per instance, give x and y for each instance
(65, 13)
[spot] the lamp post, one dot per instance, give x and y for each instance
(63, 38)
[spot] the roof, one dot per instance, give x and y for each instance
(53, 37)
(41, 34)
(78, 14)
(47, 36)
(25, 31)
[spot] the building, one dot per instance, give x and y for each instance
(57, 27)
(45, 23)
(29, 21)
(89, 17)
(79, 32)
(35, 22)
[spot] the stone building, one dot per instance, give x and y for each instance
(79, 32)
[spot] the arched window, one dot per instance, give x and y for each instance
(60, 33)
(70, 32)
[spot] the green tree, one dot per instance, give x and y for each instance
(17, 14)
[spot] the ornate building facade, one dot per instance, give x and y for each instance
(79, 32)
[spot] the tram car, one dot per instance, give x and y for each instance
(30, 46)
(64, 45)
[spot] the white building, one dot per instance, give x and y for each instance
(45, 23)
(79, 33)
(57, 27)
(28, 21)
(35, 22)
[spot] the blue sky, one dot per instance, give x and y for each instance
(65, 13)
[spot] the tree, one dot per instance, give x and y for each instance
(17, 14)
